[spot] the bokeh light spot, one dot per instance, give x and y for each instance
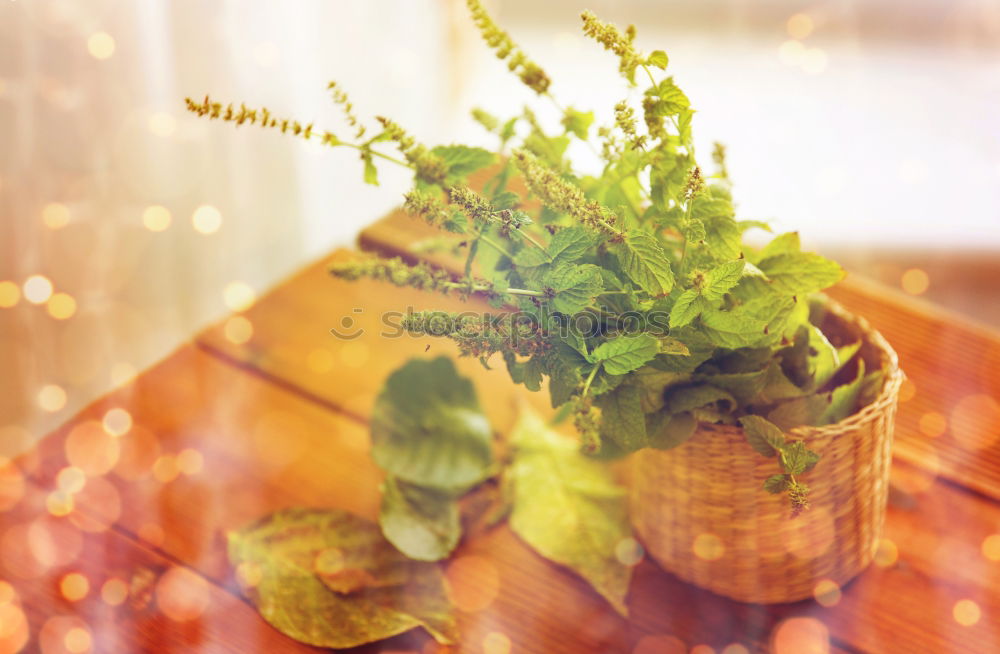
(206, 219)
(74, 586)
(10, 294)
(37, 289)
(629, 552)
(790, 52)
(827, 592)
(182, 595)
(11, 485)
(114, 591)
(156, 218)
(238, 296)
(975, 421)
(708, 547)
(702, 649)
(14, 631)
(735, 648)
(473, 582)
(320, 360)
(915, 281)
(51, 398)
(801, 636)
(61, 306)
(165, 469)
(101, 45)
(238, 330)
(496, 642)
(55, 215)
(91, 448)
(886, 554)
(966, 612)
(98, 506)
(59, 503)
(907, 390)
(799, 26)
(139, 451)
(77, 640)
(991, 547)
(933, 424)
(354, 354)
(660, 644)
(117, 421)
(190, 461)
(54, 542)
(162, 124)
(71, 480)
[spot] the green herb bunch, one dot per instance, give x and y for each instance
(631, 291)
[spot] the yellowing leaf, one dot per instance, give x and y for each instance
(568, 508)
(327, 578)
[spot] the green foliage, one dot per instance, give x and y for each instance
(569, 508)
(794, 457)
(687, 323)
(366, 592)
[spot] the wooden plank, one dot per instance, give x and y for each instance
(130, 599)
(949, 360)
(244, 427)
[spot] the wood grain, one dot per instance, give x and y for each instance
(947, 358)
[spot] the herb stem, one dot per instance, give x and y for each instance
(376, 153)
(499, 248)
(590, 379)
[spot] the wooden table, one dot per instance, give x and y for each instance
(267, 410)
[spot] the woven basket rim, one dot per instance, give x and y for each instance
(868, 413)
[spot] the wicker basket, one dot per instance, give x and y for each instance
(701, 513)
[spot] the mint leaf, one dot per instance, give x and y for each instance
(569, 244)
(422, 523)
(622, 419)
(786, 243)
(568, 508)
(642, 258)
(563, 364)
(801, 273)
(574, 287)
(670, 99)
(577, 122)
(626, 353)
(462, 160)
(723, 237)
(843, 400)
(686, 309)
(797, 458)
(776, 483)
(428, 429)
(763, 436)
(719, 280)
(657, 58)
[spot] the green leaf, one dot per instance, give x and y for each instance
(686, 309)
(797, 458)
(723, 237)
(371, 173)
(422, 523)
(577, 122)
(462, 160)
(776, 483)
(719, 280)
(657, 58)
(743, 386)
(671, 100)
(799, 411)
(569, 244)
(568, 508)
(574, 287)
(844, 399)
(787, 243)
(427, 427)
(564, 364)
(626, 353)
(668, 431)
(622, 419)
(755, 323)
(762, 435)
(688, 398)
(368, 593)
(642, 258)
(801, 273)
